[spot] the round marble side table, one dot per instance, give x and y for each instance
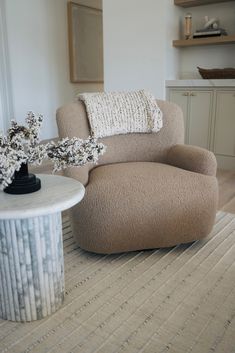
(31, 248)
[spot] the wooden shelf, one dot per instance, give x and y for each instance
(191, 3)
(204, 41)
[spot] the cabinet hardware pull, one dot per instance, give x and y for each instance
(185, 94)
(193, 94)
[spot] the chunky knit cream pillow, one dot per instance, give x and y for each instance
(122, 113)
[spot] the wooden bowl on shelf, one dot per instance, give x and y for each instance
(217, 74)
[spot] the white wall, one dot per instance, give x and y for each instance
(172, 31)
(137, 44)
(38, 50)
(138, 48)
(5, 79)
(208, 56)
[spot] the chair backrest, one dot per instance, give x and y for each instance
(72, 121)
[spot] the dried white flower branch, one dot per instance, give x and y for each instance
(21, 146)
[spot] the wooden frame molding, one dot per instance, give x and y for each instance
(191, 3)
(204, 41)
(78, 64)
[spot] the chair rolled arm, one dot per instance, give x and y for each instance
(192, 158)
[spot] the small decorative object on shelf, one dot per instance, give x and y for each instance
(188, 26)
(21, 147)
(216, 74)
(210, 29)
(212, 23)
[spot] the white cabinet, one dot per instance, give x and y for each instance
(224, 141)
(180, 97)
(209, 116)
(200, 118)
(197, 110)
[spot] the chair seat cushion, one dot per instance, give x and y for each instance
(143, 205)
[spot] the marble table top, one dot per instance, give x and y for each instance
(57, 193)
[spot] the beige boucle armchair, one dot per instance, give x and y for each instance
(148, 190)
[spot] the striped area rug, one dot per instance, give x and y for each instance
(176, 300)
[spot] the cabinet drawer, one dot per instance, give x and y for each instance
(197, 111)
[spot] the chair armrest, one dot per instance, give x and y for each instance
(192, 158)
(79, 173)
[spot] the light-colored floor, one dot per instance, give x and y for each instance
(173, 300)
(226, 181)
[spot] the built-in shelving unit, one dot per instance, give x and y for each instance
(191, 3)
(204, 41)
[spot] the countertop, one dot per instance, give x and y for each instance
(200, 83)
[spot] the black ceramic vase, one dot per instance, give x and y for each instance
(23, 182)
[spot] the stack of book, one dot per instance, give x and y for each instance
(210, 32)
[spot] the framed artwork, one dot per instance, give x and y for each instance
(85, 29)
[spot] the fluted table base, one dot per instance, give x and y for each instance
(31, 267)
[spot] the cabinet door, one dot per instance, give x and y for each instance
(224, 143)
(200, 113)
(180, 97)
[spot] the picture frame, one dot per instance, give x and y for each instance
(85, 37)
